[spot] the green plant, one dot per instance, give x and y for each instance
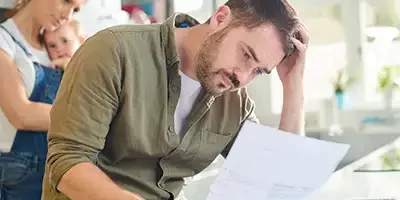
(387, 77)
(391, 160)
(342, 81)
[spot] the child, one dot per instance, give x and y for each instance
(62, 43)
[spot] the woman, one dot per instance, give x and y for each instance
(27, 90)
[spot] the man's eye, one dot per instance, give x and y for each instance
(52, 46)
(246, 55)
(259, 71)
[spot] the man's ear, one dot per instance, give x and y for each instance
(222, 17)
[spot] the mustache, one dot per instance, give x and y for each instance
(234, 80)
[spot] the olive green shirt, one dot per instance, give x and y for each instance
(115, 109)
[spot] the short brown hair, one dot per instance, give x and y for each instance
(253, 13)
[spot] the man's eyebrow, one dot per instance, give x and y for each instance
(254, 55)
(252, 52)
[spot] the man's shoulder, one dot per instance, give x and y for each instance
(129, 29)
(135, 39)
(130, 34)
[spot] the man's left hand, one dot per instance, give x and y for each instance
(291, 69)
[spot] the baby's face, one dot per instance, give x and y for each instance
(61, 42)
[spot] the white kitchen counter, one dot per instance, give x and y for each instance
(345, 184)
(6, 4)
(358, 185)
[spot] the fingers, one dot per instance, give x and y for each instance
(52, 66)
(299, 45)
(304, 34)
(301, 38)
(60, 63)
(55, 64)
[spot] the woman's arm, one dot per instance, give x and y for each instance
(22, 113)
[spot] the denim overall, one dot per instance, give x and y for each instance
(22, 169)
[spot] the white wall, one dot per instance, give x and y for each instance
(322, 61)
(6, 3)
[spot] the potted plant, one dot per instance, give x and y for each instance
(391, 160)
(387, 83)
(341, 84)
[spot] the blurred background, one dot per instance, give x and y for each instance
(352, 82)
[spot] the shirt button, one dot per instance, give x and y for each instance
(210, 101)
(170, 129)
(168, 62)
(175, 88)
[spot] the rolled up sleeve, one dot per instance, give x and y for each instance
(85, 105)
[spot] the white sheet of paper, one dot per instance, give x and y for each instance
(268, 164)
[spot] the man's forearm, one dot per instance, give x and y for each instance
(292, 115)
(86, 181)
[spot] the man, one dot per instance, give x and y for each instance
(142, 107)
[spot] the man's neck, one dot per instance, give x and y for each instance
(188, 44)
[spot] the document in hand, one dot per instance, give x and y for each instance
(268, 164)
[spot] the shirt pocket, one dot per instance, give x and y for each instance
(211, 145)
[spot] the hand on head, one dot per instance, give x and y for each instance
(291, 69)
(244, 44)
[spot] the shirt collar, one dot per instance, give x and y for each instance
(168, 35)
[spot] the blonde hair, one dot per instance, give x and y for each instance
(76, 25)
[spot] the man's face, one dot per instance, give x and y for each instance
(230, 58)
(62, 42)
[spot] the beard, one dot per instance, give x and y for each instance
(204, 62)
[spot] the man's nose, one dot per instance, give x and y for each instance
(243, 74)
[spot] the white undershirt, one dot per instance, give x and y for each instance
(190, 89)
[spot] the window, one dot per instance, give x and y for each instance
(199, 9)
(374, 98)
